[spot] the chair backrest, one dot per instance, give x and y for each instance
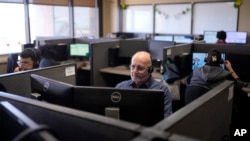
(193, 92)
(12, 62)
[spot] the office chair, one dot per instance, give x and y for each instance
(12, 62)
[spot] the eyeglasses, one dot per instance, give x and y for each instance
(138, 68)
(23, 63)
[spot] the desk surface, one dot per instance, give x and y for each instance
(124, 70)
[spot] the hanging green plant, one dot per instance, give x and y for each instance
(237, 3)
(124, 6)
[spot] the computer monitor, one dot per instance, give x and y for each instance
(61, 52)
(163, 37)
(234, 37)
(79, 50)
(199, 59)
(210, 36)
(183, 38)
(143, 106)
(14, 125)
(52, 91)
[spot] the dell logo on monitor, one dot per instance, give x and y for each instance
(45, 86)
(116, 97)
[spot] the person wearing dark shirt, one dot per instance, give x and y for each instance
(48, 55)
(221, 36)
(208, 76)
(140, 72)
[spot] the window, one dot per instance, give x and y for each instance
(48, 21)
(138, 19)
(85, 21)
(12, 27)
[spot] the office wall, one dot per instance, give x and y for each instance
(110, 6)
(110, 16)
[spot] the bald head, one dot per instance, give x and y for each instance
(143, 57)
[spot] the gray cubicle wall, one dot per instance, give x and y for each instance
(156, 48)
(73, 125)
(171, 52)
(206, 118)
(182, 57)
(100, 59)
(19, 82)
(97, 40)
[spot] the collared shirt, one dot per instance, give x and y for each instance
(152, 84)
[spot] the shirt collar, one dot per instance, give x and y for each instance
(145, 85)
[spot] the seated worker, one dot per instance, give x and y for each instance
(221, 36)
(29, 59)
(140, 72)
(208, 76)
(48, 56)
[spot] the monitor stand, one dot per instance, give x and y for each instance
(113, 112)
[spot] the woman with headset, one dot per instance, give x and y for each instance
(29, 59)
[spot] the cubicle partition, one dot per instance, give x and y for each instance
(97, 40)
(100, 59)
(181, 55)
(54, 40)
(206, 118)
(19, 82)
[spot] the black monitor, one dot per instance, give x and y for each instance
(61, 52)
(143, 106)
(210, 36)
(52, 91)
(199, 59)
(234, 37)
(79, 50)
(15, 125)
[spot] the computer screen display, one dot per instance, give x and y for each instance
(236, 37)
(163, 37)
(52, 91)
(210, 36)
(183, 38)
(143, 106)
(79, 49)
(199, 59)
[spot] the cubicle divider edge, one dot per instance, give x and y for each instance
(206, 118)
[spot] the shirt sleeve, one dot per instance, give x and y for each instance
(167, 103)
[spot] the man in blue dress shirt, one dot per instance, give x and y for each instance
(140, 72)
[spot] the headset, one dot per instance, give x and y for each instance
(34, 57)
(209, 56)
(151, 68)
